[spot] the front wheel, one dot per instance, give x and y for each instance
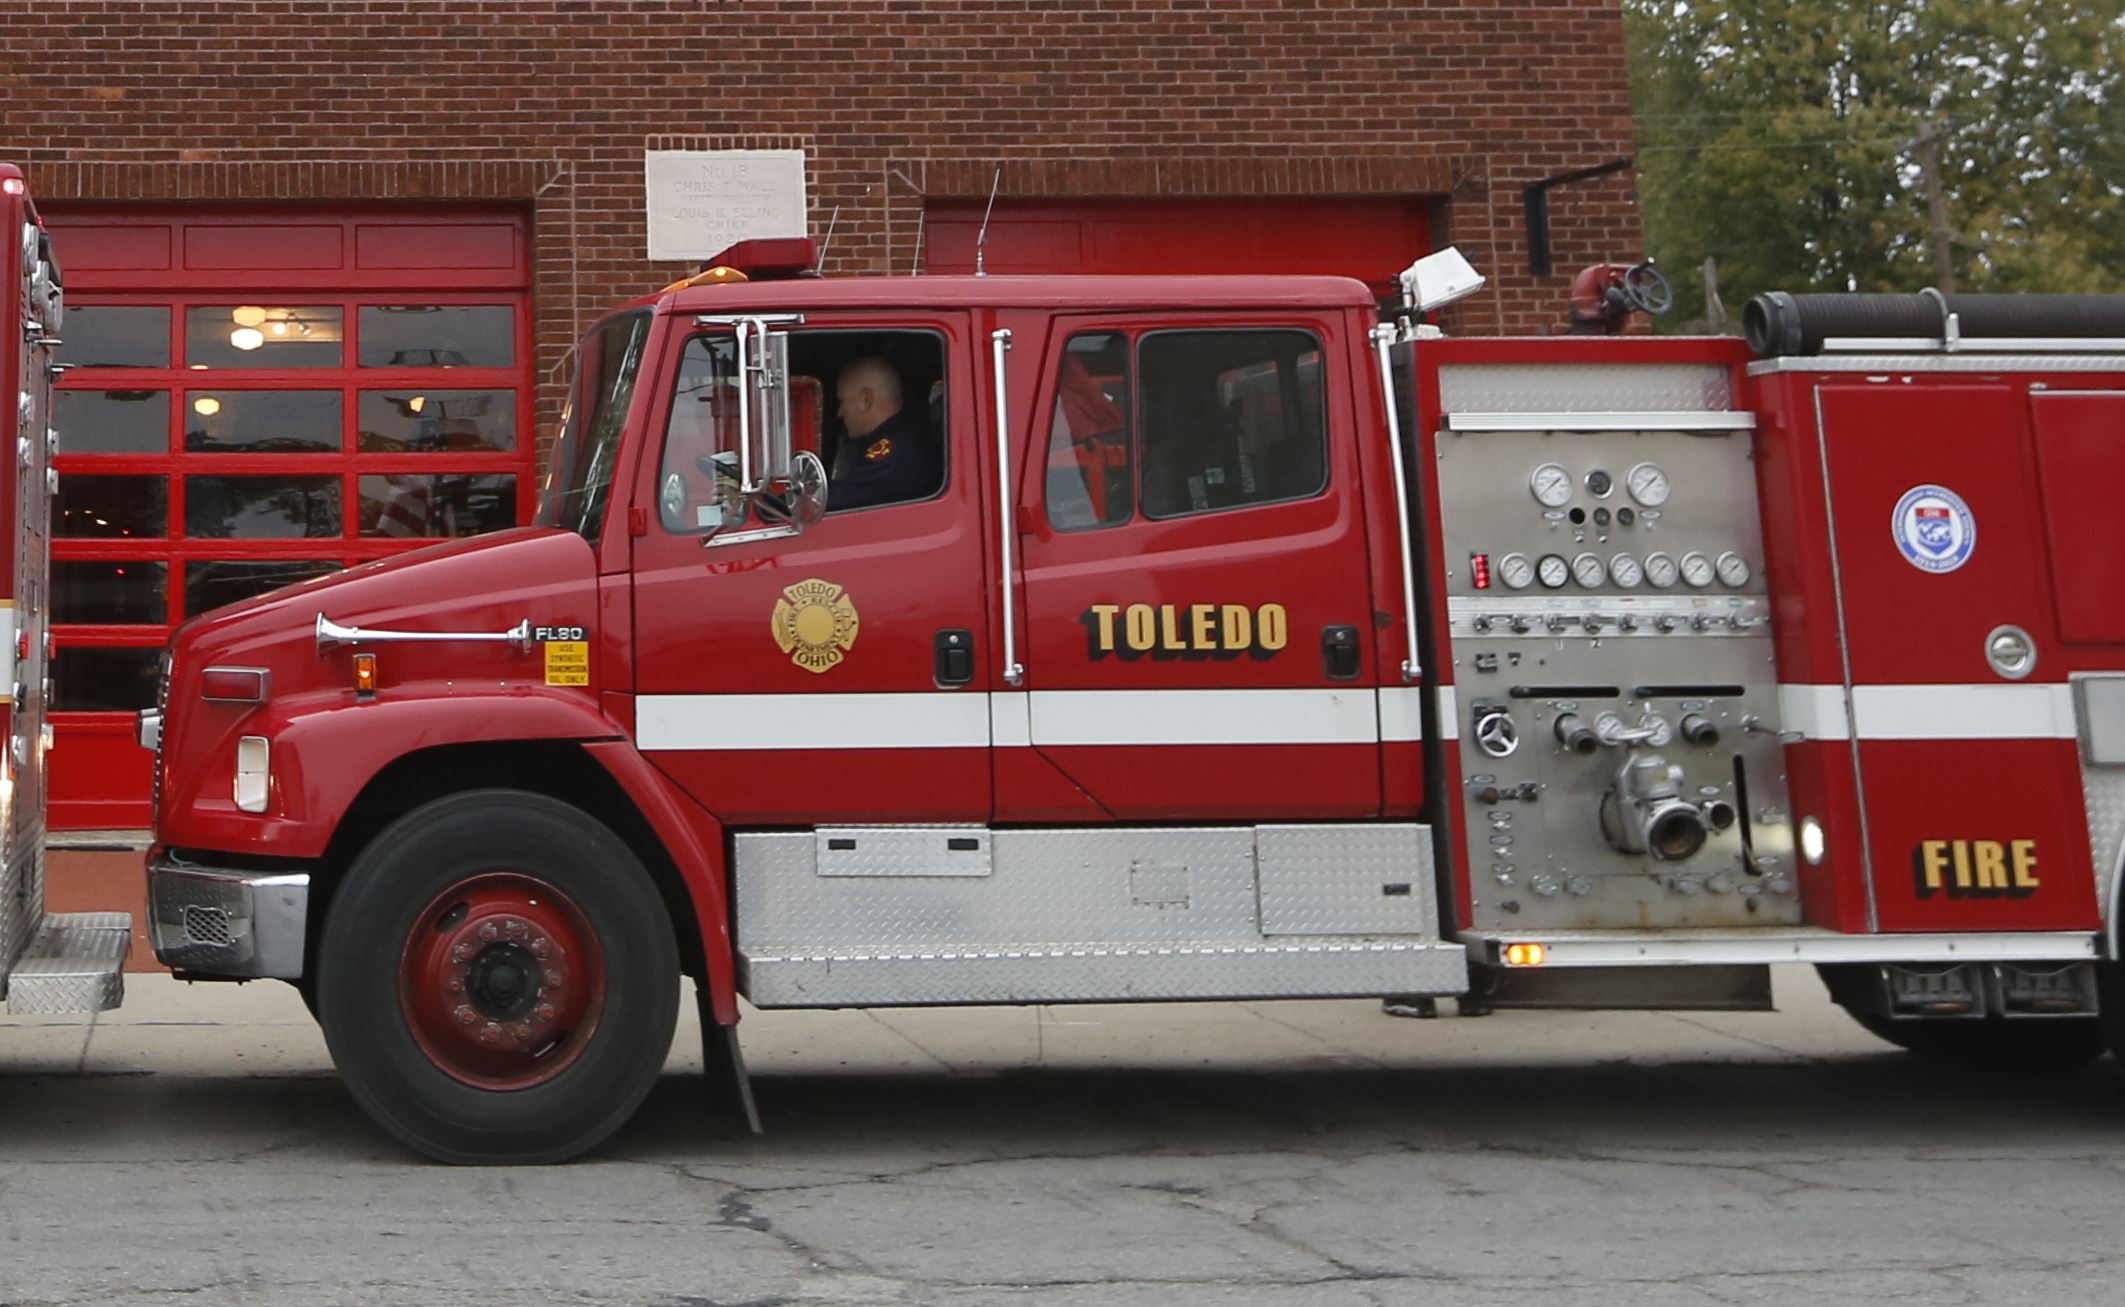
(497, 980)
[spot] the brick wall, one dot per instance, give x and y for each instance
(550, 103)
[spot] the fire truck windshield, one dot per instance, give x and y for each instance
(579, 486)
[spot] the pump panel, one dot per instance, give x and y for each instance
(1611, 640)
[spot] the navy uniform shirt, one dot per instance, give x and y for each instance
(896, 462)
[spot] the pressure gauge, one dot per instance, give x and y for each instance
(1647, 484)
(1696, 570)
(1516, 572)
(1625, 571)
(1733, 570)
(1552, 485)
(1589, 571)
(1553, 571)
(1660, 570)
(1599, 483)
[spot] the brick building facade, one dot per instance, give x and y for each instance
(1273, 134)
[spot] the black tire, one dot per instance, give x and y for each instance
(2046, 1044)
(380, 1025)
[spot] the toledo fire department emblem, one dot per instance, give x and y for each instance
(815, 624)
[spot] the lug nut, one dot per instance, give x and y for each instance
(540, 948)
(465, 1015)
(553, 978)
(515, 929)
(522, 1031)
(489, 932)
(461, 953)
(491, 1033)
(545, 1012)
(454, 985)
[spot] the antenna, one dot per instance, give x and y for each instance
(981, 242)
(826, 242)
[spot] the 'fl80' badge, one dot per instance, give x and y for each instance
(815, 624)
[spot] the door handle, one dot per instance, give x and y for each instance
(1339, 652)
(955, 657)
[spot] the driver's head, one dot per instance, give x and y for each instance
(867, 393)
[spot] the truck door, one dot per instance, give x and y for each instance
(1961, 711)
(825, 675)
(1198, 622)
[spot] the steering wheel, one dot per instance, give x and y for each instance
(1649, 289)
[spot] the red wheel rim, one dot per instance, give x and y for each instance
(502, 981)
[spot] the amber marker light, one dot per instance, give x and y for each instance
(365, 674)
(1525, 955)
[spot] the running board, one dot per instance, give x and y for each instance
(1656, 948)
(74, 963)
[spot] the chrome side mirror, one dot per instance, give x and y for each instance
(807, 489)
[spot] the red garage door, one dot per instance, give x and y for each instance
(1370, 239)
(253, 398)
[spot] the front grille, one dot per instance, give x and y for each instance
(203, 925)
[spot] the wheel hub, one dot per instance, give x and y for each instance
(501, 981)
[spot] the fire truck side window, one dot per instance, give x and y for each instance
(890, 384)
(1091, 482)
(1230, 419)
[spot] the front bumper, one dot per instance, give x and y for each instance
(224, 922)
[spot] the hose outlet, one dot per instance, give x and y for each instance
(1699, 729)
(1574, 734)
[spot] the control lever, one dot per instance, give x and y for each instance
(1519, 621)
(1627, 622)
(1593, 623)
(1557, 622)
(1753, 725)
(1651, 729)
(1665, 622)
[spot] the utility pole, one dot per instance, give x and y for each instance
(1928, 146)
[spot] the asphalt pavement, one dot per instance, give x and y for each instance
(195, 1147)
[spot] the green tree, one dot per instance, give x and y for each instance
(1780, 137)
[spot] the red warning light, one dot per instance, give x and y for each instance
(1479, 570)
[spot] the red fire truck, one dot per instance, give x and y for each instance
(977, 640)
(64, 962)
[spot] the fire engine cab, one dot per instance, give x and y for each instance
(975, 640)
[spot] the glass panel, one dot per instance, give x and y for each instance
(110, 507)
(112, 421)
(210, 584)
(108, 336)
(1230, 419)
(579, 480)
(417, 506)
(699, 474)
(263, 336)
(438, 336)
(1090, 482)
(260, 508)
(110, 592)
(421, 421)
(261, 422)
(104, 680)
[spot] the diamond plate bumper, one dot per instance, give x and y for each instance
(225, 922)
(75, 963)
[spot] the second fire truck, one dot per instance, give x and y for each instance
(1237, 645)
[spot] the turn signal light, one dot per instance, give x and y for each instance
(365, 673)
(233, 684)
(1525, 955)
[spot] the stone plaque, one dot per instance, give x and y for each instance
(703, 201)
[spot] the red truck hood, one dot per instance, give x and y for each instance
(488, 583)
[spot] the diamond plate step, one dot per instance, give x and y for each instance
(74, 963)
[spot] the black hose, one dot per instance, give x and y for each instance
(1777, 323)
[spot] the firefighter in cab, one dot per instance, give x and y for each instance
(887, 456)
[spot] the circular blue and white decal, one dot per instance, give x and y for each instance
(1934, 529)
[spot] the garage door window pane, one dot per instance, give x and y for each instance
(261, 421)
(111, 507)
(104, 680)
(428, 421)
(261, 508)
(425, 506)
(110, 336)
(438, 336)
(112, 421)
(111, 592)
(263, 336)
(212, 583)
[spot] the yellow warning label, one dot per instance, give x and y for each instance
(568, 662)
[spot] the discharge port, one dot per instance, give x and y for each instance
(1574, 734)
(1699, 729)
